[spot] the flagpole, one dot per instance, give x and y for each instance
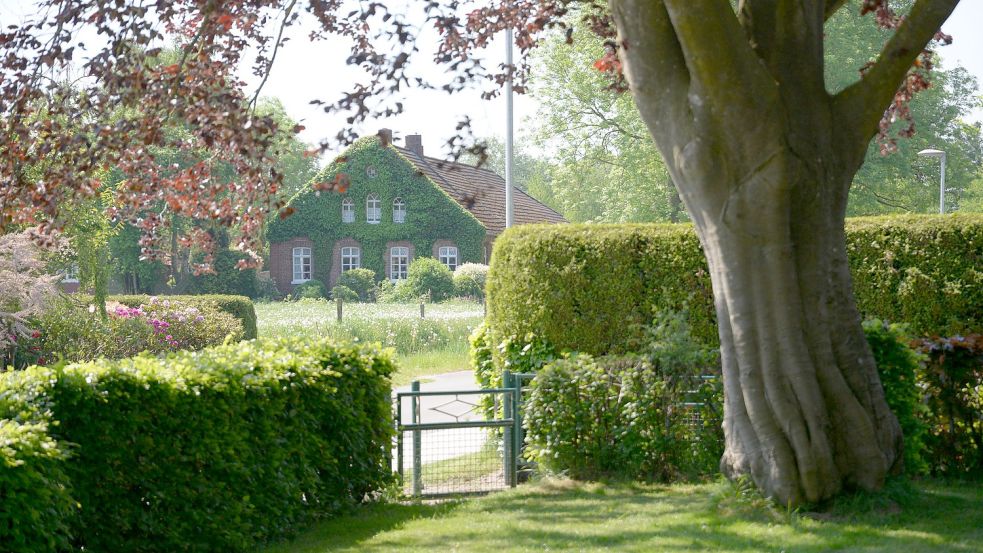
(509, 216)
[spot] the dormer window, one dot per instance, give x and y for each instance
(347, 211)
(399, 211)
(373, 209)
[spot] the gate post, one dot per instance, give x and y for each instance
(417, 455)
(508, 439)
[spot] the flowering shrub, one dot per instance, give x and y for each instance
(74, 332)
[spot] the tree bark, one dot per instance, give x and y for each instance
(750, 137)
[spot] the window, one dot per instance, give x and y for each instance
(71, 273)
(399, 211)
(448, 256)
(399, 261)
(302, 265)
(373, 209)
(351, 258)
(347, 211)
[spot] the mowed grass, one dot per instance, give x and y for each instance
(562, 515)
(435, 344)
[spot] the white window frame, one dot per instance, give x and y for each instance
(351, 258)
(347, 211)
(373, 209)
(71, 275)
(300, 254)
(399, 263)
(448, 256)
(399, 210)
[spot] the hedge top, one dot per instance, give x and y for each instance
(591, 288)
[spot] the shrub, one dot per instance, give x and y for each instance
(898, 366)
(37, 505)
(72, 332)
(215, 450)
(312, 290)
(953, 381)
(469, 280)
(227, 278)
(591, 288)
(362, 281)
(428, 277)
(624, 416)
(344, 293)
(239, 307)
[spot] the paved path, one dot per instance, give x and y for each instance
(438, 445)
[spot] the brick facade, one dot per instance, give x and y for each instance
(282, 262)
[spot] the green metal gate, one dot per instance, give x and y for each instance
(460, 442)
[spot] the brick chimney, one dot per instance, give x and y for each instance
(414, 143)
(386, 137)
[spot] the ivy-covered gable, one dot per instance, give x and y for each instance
(430, 214)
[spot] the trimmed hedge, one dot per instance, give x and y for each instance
(216, 450)
(592, 288)
(239, 307)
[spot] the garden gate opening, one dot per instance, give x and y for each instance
(460, 442)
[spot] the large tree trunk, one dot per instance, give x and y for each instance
(752, 143)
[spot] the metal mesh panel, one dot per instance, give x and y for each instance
(453, 461)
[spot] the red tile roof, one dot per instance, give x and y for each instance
(482, 192)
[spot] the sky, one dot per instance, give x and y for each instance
(305, 71)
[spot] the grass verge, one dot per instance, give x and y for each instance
(562, 515)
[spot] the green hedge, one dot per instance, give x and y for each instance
(592, 288)
(215, 450)
(239, 307)
(227, 278)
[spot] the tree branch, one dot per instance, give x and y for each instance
(833, 6)
(276, 48)
(863, 103)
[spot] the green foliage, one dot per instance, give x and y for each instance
(72, 332)
(591, 288)
(215, 450)
(897, 366)
(469, 280)
(238, 306)
(362, 281)
(227, 278)
(953, 382)
(344, 293)
(311, 290)
(428, 277)
(37, 504)
(430, 213)
(624, 416)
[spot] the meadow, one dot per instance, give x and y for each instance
(435, 344)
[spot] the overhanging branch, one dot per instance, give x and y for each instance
(862, 104)
(833, 6)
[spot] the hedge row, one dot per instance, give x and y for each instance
(215, 450)
(592, 288)
(239, 307)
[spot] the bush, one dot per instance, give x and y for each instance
(37, 505)
(227, 278)
(428, 277)
(898, 366)
(591, 288)
(344, 293)
(239, 307)
(70, 331)
(953, 382)
(311, 290)
(362, 281)
(469, 280)
(623, 416)
(216, 450)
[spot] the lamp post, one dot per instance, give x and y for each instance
(939, 154)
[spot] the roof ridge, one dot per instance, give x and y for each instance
(435, 172)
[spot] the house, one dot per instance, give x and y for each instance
(400, 204)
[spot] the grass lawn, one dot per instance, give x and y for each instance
(561, 515)
(436, 344)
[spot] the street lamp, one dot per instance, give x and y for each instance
(939, 154)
